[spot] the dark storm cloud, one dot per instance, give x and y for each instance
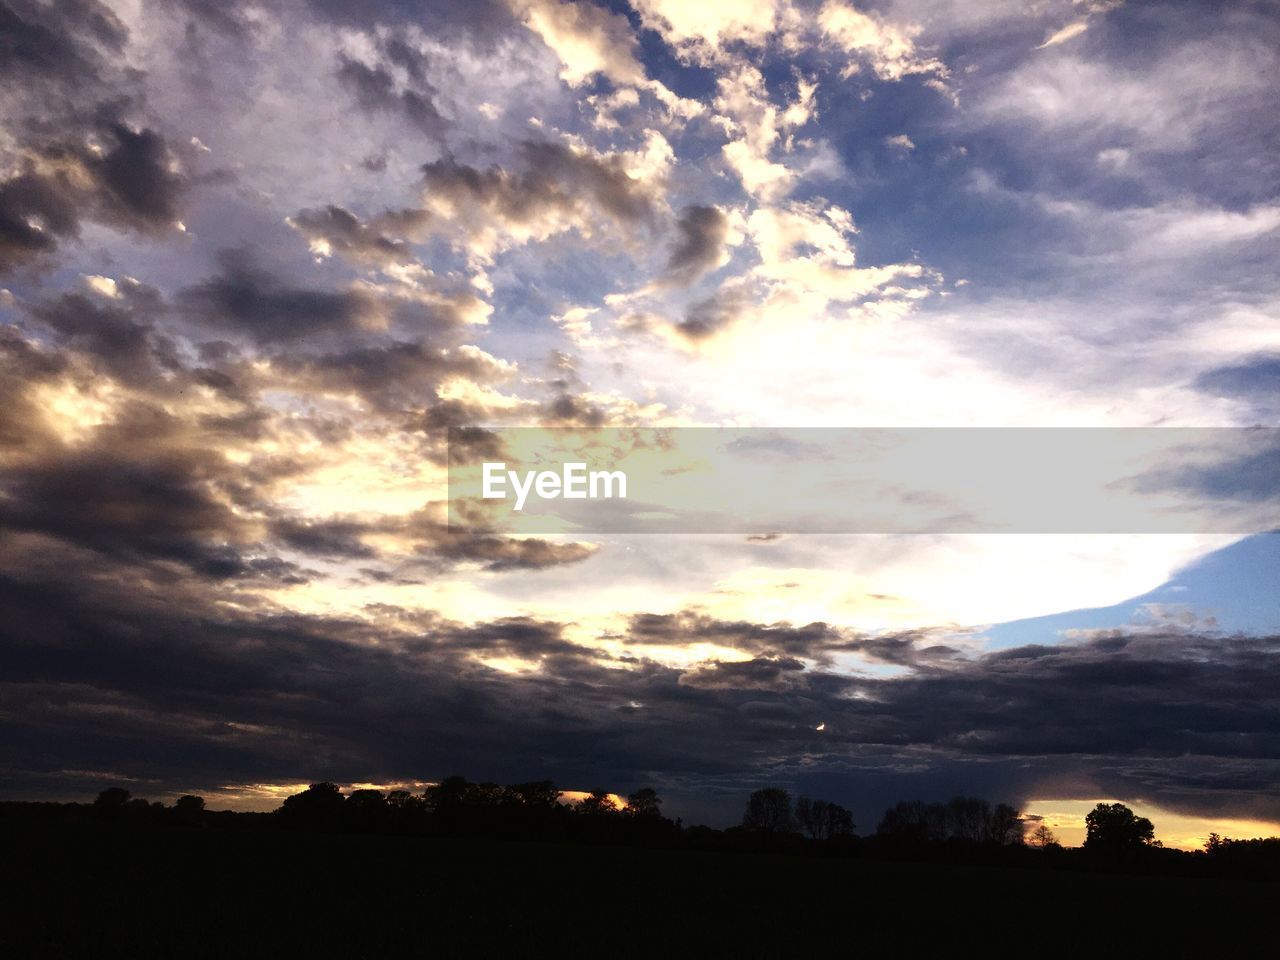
(811, 640)
(712, 315)
(389, 375)
(63, 44)
(35, 211)
(139, 490)
(192, 693)
(198, 694)
(554, 178)
(330, 538)
(249, 299)
(131, 184)
(569, 410)
(910, 648)
(434, 546)
(760, 673)
(139, 189)
(508, 553)
(344, 232)
(374, 88)
(115, 335)
(702, 234)
(438, 546)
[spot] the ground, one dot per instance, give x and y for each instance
(176, 894)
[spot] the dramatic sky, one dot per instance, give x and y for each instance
(256, 258)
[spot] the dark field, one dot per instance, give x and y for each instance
(95, 892)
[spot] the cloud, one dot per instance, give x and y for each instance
(559, 188)
(132, 183)
(61, 45)
(1254, 380)
(588, 39)
(1178, 719)
(395, 375)
(374, 88)
(708, 317)
(702, 31)
(116, 335)
(335, 229)
(703, 232)
(1066, 33)
(245, 298)
(761, 673)
(756, 127)
(777, 640)
(888, 48)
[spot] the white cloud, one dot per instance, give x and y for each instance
(1065, 34)
(700, 30)
(587, 39)
(889, 49)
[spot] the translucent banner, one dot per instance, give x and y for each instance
(864, 480)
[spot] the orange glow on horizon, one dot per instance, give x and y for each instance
(1183, 831)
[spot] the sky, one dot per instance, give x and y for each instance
(257, 257)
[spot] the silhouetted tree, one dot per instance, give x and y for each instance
(319, 806)
(597, 804)
(822, 820)
(1114, 828)
(365, 810)
(912, 823)
(537, 793)
(644, 803)
(112, 801)
(487, 795)
(447, 796)
(189, 810)
(405, 811)
(961, 819)
(768, 812)
(1004, 826)
(1043, 837)
(966, 818)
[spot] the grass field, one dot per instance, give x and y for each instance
(175, 894)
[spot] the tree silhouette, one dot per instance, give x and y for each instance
(1043, 837)
(448, 795)
(644, 803)
(822, 820)
(1004, 826)
(768, 812)
(112, 801)
(1114, 828)
(320, 805)
(597, 804)
(961, 819)
(364, 810)
(911, 822)
(537, 793)
(189, 810)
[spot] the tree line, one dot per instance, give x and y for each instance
(963, 828)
